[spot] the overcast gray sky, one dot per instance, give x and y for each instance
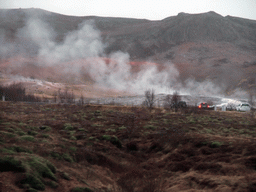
(146, 9)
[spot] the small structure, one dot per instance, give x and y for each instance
(224, 107)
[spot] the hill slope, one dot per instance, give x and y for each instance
(203, 46)
(167, 32)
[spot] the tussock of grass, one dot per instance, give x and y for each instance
(10, 130)
(64, 156)
(16, 149)
(68, 126)
(112, 130)
(36, 169)
(7, 134)
(52, 184)
(65, 176)
(27, 138)
(8, 151)
(122, 127)
(73, 138)
(45, 136)
(20, 133)
(33, 133)
(215, 144)
(152, 127)
(113, 139)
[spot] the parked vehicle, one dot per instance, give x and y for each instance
(180, 104)
(205, 105)
(243, 107)
(202, 105)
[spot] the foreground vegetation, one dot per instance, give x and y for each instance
(108, 148)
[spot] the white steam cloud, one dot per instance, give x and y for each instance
(117, 74)
(86, 43)
(83, 43)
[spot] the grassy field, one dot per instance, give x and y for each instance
(110, 148)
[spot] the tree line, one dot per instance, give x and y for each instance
(16, 92)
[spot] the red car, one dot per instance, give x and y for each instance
(203, 106)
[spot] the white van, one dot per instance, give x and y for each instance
(243, 107)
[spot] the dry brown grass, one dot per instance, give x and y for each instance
(159, 151)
